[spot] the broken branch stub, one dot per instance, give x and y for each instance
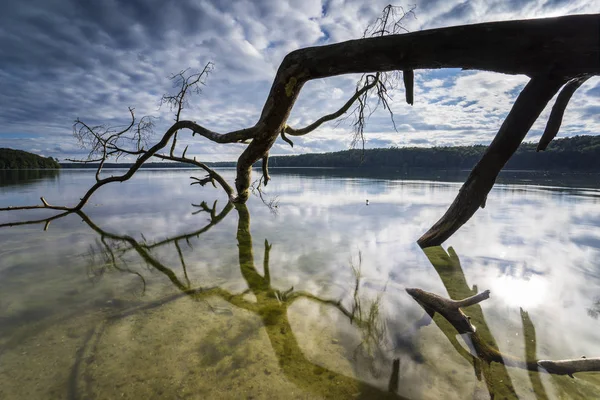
(558, 111)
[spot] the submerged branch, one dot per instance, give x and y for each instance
(569, 367)
(450, 310)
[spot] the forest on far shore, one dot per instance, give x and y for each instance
(575, 153)
(581, 153)
(19, 159)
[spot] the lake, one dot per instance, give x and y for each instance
(162, 290)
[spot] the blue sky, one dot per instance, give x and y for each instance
(64, 59)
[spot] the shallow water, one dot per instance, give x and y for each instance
(147, 296)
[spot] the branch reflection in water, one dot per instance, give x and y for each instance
(261, 299)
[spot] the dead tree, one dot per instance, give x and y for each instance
(553, 52)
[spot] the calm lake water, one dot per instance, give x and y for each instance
(146, 296)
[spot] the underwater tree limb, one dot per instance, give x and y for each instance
(530, 339)
(569, 367)
(450, 310)
(448, 267)
(272, 309)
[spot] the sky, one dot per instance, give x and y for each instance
(67, 59)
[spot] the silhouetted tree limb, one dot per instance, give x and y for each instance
(212, 174)
(558, 111)
(473, 194)
(369, 84)
(504, 47)
(185, 82)
(44, 204)
(409, 85)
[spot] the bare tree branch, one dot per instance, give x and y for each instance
(185, 83)
(495, 47)
(212, 174)
(265, 169)
(569, 367)
(368, 85)
(409, 82)
(43, 205)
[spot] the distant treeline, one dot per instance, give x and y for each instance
(576, 153)
(18, 159)
(580, 153)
